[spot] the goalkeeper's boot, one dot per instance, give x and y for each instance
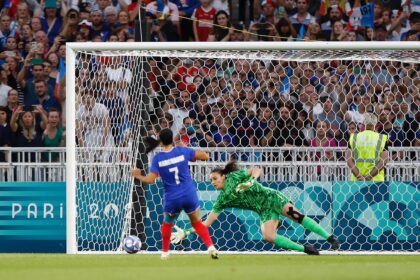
(164, 256)
(311, 250)
(335, 244)
(214, 254)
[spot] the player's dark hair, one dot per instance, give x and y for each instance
(165, 137)
(229, 167)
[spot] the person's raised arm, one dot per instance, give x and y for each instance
(147, 179)
(201, 155)
(254, 172)
(13, 121)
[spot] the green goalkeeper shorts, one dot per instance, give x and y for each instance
(276, 202)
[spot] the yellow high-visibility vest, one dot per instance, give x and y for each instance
(367, 147)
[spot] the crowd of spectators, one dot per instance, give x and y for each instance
(206, 102)
(260, 103)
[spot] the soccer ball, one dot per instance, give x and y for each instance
(132, 244)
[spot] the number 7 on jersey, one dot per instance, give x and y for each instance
(175, 170)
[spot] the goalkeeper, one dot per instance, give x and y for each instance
(240, 190)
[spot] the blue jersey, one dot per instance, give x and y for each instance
(172, 166)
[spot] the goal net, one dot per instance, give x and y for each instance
(287, 108)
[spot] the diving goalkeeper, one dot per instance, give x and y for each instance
(239, 189)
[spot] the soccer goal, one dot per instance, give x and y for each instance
(261, 103)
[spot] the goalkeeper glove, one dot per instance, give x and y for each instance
(244, 186)
(179, 235)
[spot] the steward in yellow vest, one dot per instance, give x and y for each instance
(368, 152)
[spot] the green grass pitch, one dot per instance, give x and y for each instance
(201, 267)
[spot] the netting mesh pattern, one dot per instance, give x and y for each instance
(290, 112)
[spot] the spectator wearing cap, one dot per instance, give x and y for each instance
(99, 27)
(268, 11)
(85, 29)
(52, 20)
(302, 18)
(220, 30)
(203, 17)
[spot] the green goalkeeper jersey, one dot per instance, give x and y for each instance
(265, 201)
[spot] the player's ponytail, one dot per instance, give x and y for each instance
(165, 137)
(151, 144)
(229, 167)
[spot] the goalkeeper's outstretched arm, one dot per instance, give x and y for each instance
(180, 234)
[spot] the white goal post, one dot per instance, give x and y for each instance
(299, 52)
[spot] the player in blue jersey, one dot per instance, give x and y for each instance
(171, 164)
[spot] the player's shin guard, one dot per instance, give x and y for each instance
(313, 226)
(203, 232)
(166, 236)
(286, 243)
